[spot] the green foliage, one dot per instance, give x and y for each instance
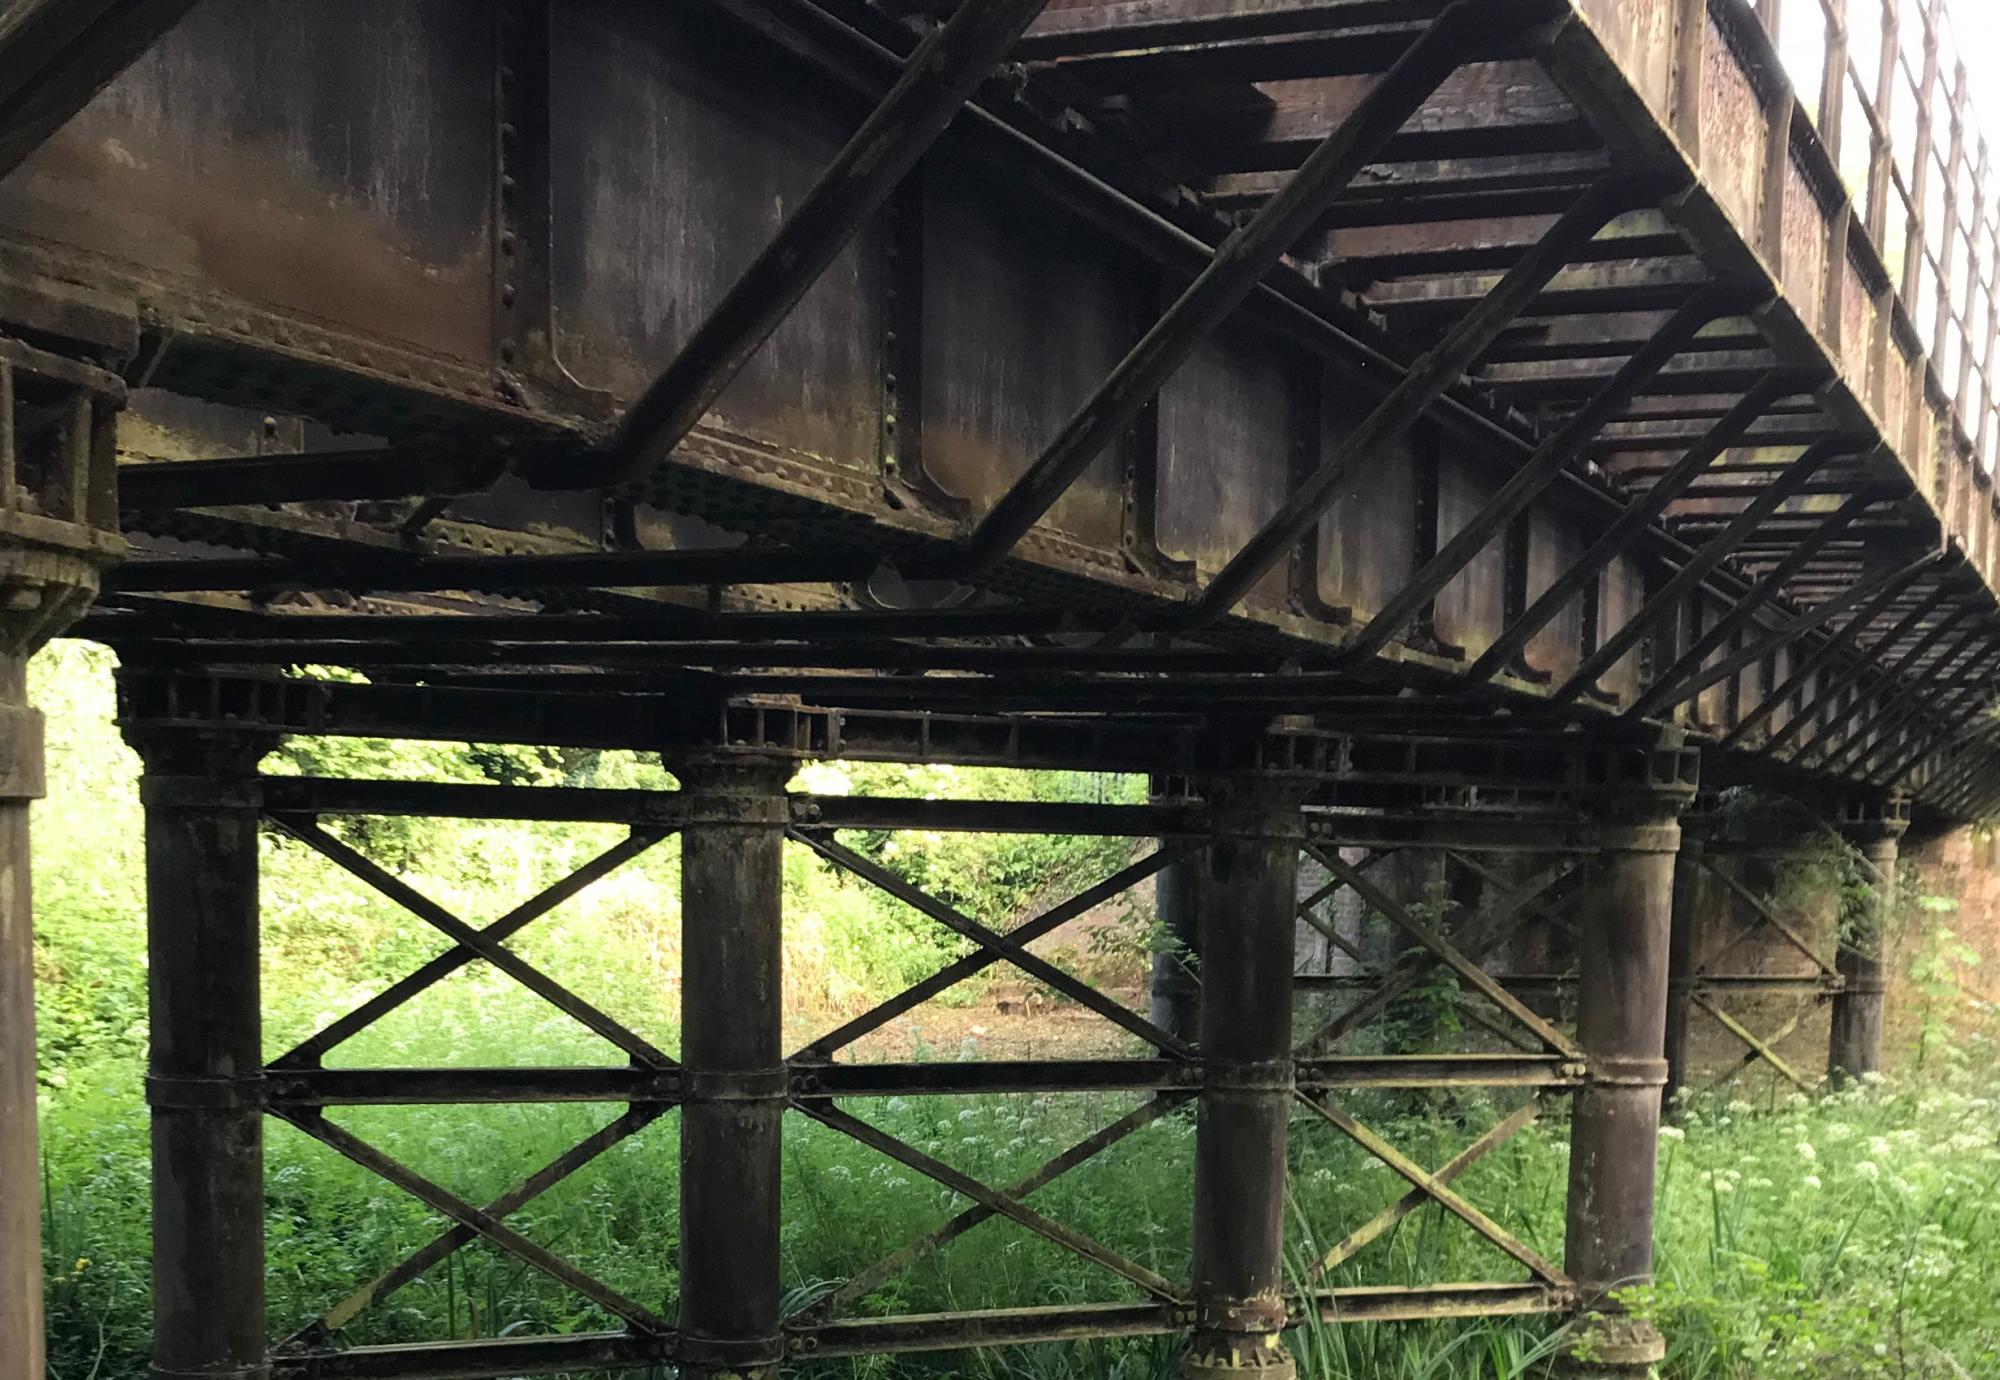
(1878, 1256)
(1851, 1235)
(990, 877)
(1938, 965)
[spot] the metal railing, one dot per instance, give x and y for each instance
(1887, 85)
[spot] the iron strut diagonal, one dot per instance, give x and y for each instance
(1238, 267)
(939, 78)
(1427, 381)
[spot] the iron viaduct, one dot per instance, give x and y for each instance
(1477, 433)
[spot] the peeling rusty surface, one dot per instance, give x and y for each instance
(317, 181)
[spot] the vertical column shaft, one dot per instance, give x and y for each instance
(1175, 991)
(1621, 1026)
(20, 1167)
(1683, 952)
(732, 1010)
(1249, 910)
(206, 1070)
(1854, 1045)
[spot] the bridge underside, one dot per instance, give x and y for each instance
(1388, 425)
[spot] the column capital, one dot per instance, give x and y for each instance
(735, 776)
(1643, 782)
(59, 513)
(1252, 805)
(168, 752)
(1873, 823)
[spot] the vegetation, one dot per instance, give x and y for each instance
(1855, 1234)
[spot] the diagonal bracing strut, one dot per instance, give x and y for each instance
(1427, 381)
(1004, 946)
(1687, 677)
(1001, 1204)
(1443, 951)
(508, 962)
(867, 1281)
(1351, 1244)
(1618, 537)
(484, 1225)
(1434, 1188)
(954, 973)
(1235, 270)
(940, 76)
(458, 1236)
(309, 1052)
(1697, 568)
(1541, 469)
(1879, 601)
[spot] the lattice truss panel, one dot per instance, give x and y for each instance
(823, 1083)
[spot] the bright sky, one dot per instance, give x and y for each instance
(1972, 32)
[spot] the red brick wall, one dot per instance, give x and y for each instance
(1963, 864)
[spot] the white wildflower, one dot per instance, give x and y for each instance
(1672, 1133)
(1810, 1182)
(1806, 1151)
(1868, 1170)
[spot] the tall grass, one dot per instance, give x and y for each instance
(1878, 1254)
(1854, 1235)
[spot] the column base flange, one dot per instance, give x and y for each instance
(1614, 1349)
(1237, 1356)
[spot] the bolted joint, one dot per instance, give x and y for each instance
(735, 1085)
(201, 792)
(249, 1093)
(1265, 1313)
(722, 1356)
(1611, 1071)
(1263, 1078)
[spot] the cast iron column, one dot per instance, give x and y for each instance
(1248, 917)
(58, 529)
(20, 1167)
(1854, 1045)
(732, 1009)
(205, 1076)
(1683, 951)
(1621, 1025)
(1175, 1004)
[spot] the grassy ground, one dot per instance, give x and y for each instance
(1856, 1235)
(1853, 1235)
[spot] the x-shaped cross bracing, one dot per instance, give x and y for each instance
(1756, 1048)
(471, 1223)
